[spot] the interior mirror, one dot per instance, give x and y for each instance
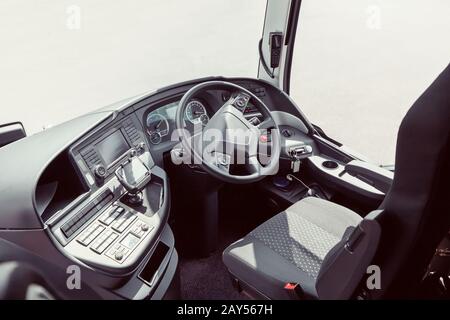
(11, 132)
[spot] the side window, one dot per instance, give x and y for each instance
(359, 65)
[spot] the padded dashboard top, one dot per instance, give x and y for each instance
(22, 163)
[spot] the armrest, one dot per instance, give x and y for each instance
(376, 176)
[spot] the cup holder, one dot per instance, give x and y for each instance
(330, 164)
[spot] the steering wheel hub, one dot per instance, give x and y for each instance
(230, 147)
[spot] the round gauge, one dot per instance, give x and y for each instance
(196, 112)
(157, 127)
(155, 138)
(204, 119)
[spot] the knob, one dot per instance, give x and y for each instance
(141, 146)
(133, 153)
(144, 227)
(100, 171)
(118, 256)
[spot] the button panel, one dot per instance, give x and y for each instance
(111, 214)
(115, 233)
(130, 241)
(104, 241)
(140, 228)
(123, 221)
(118, 252)
(90, 234)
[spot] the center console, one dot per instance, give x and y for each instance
(114, 225)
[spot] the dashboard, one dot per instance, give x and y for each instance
(75, 199)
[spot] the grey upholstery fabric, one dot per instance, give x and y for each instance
(290, 247)
(414, 217)
(416, 209)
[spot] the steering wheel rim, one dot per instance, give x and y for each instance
(231, 113)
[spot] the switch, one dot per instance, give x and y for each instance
(275, 43)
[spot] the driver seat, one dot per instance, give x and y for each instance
(326, 249)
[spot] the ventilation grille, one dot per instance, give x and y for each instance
(132, 132)
(259, 92)
(90, 157)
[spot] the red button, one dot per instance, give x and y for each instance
(290, 286)
(263, 138)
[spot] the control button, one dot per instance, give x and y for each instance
(140, 228)
(123, 221)
(141, 146)
(133, 153)
(90, 234)
(240, 102)
(118, 252)
(118, 256)
(100, 171)
(120, 209)
(110, 215)
(104, 241)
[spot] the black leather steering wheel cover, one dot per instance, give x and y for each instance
(214, 171)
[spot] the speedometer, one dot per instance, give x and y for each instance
(196, 112)
(157, 127)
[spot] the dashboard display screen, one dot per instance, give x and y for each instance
(112, 147)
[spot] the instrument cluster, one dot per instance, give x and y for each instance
(160, 123)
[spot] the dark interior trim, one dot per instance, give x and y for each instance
(291, 32)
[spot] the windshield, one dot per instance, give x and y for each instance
(359, 65)
(60, 60)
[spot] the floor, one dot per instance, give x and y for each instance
(207, 278)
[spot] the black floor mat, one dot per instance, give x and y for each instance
(207, 279)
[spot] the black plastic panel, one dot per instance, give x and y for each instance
(148, 273)
(76, 222)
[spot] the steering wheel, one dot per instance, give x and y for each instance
(230, 147)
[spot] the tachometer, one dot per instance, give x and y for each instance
(196, 112)
(157, 127)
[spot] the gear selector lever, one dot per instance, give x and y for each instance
(133, 175)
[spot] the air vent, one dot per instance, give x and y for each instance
(259, 92)
(132, 132)
(90, 157)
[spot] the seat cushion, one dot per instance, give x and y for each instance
(290, 247)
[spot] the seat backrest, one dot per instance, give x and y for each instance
(402, 235)
(416, 211)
